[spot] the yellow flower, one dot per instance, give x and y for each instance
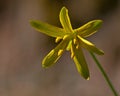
(72, 40)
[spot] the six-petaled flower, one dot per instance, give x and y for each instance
(72, 40)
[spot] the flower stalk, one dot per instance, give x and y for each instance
(104, 74)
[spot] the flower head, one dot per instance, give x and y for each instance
(73, 40)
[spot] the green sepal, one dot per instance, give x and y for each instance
(48, 29)
(80, 61)
(89, 46)
(89, 28)
(55, 54)
(65, 20)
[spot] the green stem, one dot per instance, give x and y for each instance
(104, 74)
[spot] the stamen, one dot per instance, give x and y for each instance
(77, 46)
(72, 55)
(57, 39)
(75, 41)
(60, 52)
(65, 37)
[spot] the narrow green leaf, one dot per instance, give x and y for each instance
(80, 61)
(48, 29)
(89, 28)
(89, 46)
(65, 20)
(55, 54)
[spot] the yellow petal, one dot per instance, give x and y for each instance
(80, 61)
(48, 29)
(55, 54)
(89, 46)
(65, 20)
(89, 28)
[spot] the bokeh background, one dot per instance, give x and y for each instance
(22, 48)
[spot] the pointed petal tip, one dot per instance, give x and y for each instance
(88, 78)
(100, 52)
(64, 8)
(43, 66)
(98, 21)
(31, 22)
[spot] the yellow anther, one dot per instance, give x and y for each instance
(60, 52)
(65, 37)
(77, 46)
(57, 39)
(75, 41)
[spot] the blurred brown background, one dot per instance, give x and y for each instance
(22, 48)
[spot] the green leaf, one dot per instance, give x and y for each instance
(80, 61)
(89, 46)
(89, 28)
(48, 29)
(55, 54)
(65, 20)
